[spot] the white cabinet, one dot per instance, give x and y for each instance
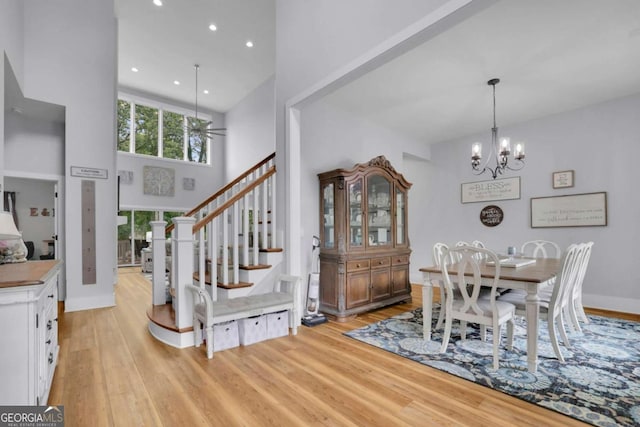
(29, 332)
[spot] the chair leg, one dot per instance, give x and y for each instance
(496, 344)
(197, 332)
(572, 316)
(463, 330)
(563, 333)
(580, 309)
(483, 332)
(209, 341)
(510, 334)
(441, 315)
(447, 334)
(554, 339)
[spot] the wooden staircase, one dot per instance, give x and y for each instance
(229, 218)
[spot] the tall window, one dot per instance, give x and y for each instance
(172, 135)
(124, 125)
(146, 125)
(197, 148)
(155, 131)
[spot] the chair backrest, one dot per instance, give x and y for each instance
(478, 244)
(562, 288)
(438, 250)
(468, 286)
(583, 262)
(541, 249)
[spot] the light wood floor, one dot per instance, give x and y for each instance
(111, 372)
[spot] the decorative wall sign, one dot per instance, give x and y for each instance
(575, 210)
(491, 215)
(486, 191)
(189, 184)
(159, 181)
(126, 177)
(89, 172)
(563, 179)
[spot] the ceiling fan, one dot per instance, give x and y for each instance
(200, 128)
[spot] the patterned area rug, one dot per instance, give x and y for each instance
(599, 383)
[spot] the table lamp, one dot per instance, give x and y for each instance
(8, 229)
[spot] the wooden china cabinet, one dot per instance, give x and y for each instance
(364, 252)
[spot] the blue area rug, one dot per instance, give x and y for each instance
(599, 383)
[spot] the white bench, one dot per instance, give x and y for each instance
(207, 312)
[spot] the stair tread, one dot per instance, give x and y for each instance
(207, 280)
(255, 267)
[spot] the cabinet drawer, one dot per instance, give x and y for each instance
(380, 262)
(400, 260)
(358, 265)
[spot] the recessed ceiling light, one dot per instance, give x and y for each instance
(175, 82)
(249, 43)
(157, 2)
(206, 92)
(134, 69)
(213, 27)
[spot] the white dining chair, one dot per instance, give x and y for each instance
(541, 249)
(439, 249)
(462, 297)
(575, 307)
(553, 304)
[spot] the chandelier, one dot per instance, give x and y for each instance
(499, 150)
(201, 129)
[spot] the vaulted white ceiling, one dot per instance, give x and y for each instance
(551, 56)
(165, 42)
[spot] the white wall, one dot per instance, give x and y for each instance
(250, 130)
(601, 143)
(70, 60)
(26, 140)
(132, 195)
(11, 48)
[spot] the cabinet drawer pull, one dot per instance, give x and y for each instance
(48, 342)
(357, 265)
(50, 296)
(49, 325)
(380, 262)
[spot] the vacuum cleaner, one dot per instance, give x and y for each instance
(311, 315)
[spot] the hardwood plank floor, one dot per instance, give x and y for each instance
(112, 372)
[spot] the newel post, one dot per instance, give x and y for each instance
(158, 253)
(183, 263)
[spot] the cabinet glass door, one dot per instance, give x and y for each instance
(355, 213)
(328, 212)
(378, 211)
(400, 217)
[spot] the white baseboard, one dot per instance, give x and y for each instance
(624, 305)
(89, 303)
(172, 338)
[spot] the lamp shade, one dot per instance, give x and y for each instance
(8, 230)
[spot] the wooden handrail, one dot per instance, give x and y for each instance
(204, 221)
(224, 189)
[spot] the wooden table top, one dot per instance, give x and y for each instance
(27, 273)
(543, 270)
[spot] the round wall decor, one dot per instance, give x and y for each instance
(491, 215)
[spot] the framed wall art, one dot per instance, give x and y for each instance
(574, 210)
(486, 191)
(563, 179)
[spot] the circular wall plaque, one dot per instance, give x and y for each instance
(491, 215)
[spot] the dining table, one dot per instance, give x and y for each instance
(531, 278)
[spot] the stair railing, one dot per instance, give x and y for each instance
(226, 231)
